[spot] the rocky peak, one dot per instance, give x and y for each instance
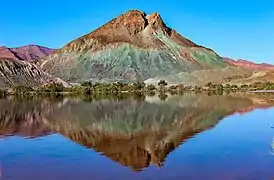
(132, 13)
(133, 27)
(135, 21)
(132, 21)
(156, 22)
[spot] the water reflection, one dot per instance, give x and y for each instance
(135, 132)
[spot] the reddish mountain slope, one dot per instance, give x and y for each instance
(25, 53)
(129, 28)
(249, 64)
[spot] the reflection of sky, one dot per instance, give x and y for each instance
(237, 147)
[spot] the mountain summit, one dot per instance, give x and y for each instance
(132, 47)
(134, 27)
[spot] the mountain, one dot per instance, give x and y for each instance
(15, 73)
(249, 65)
(132, 47)
(30, 53)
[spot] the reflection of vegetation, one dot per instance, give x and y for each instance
(162, 96)
(272, 147)
(151, 93)
(2, 93)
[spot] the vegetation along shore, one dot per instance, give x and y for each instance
(89, 88)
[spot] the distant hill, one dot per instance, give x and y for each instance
(249, 65)
(132, 47)
(30, 53)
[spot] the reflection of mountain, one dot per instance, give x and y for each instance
(131, 132)
(22, 118)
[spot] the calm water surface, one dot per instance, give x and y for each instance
(182, 137)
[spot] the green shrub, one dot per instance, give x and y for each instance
(151, 87)
(51, 88)
(22, 89)
(209, 84)
(234, 86)
(244, 86)
(162, 83)
(173, 87)
(87, 83)
(138, 86)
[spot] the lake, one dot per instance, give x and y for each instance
(189, 136)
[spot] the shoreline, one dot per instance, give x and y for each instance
(262, 91)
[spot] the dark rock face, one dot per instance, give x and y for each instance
(31, 53)
(132, 47)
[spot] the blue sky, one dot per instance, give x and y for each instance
(234, 28)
